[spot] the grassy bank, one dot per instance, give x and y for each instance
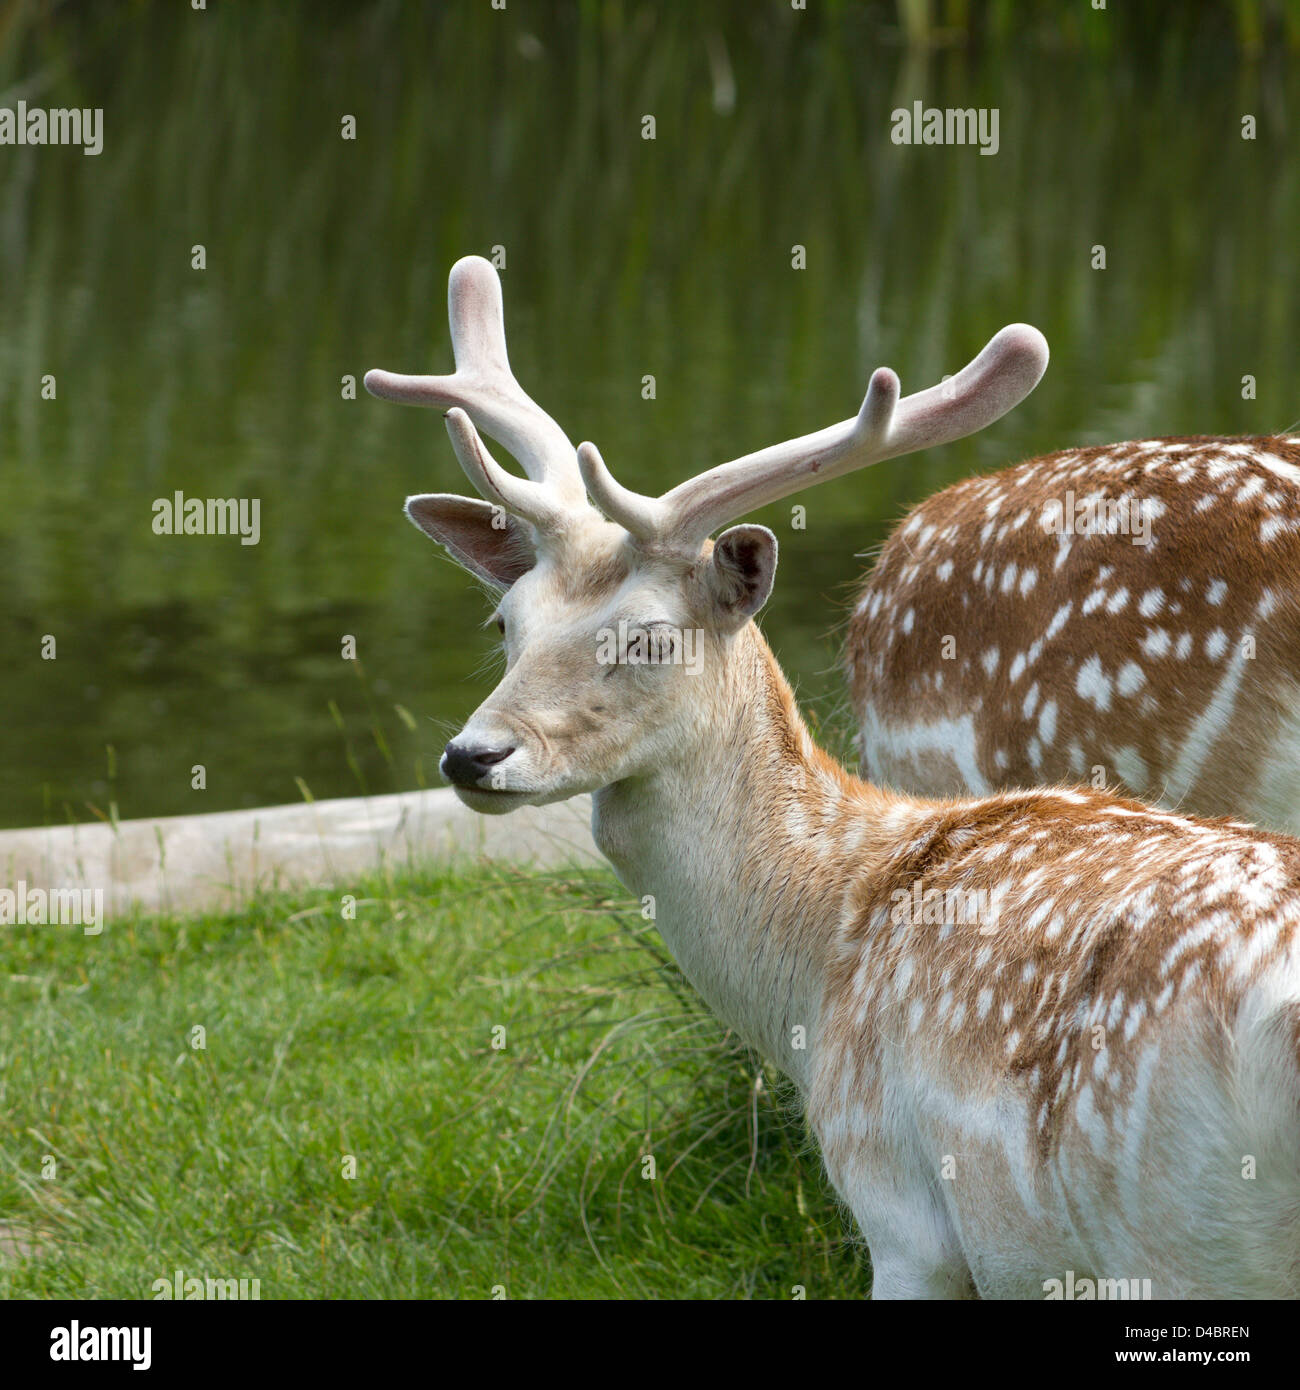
(477, 1168)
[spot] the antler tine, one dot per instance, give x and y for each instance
(534, 502)
(642, 517)
(1009, 367)
(484, 385)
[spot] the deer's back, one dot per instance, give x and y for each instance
(996, 644)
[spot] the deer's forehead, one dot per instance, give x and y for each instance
(599, 582)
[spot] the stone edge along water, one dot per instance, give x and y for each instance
(219, 860)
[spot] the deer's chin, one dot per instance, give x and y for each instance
(493, 803)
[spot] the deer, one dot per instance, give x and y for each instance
(1119, 614)
(1042, 1036)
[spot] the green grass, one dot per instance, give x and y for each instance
(476, 1168)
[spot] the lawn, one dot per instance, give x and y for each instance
(315, 1100)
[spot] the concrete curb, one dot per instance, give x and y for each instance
(217, 861)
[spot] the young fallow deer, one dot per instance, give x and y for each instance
(1039, 1035)
(1122, 615)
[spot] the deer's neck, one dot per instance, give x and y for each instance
(745, 850)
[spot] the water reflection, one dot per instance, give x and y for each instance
(626, 259)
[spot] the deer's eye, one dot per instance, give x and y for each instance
(662, 642)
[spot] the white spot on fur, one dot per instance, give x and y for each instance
(1093, 684)
(1131, 769)
(1131, 678)
(1047, 722)
(1059, 619)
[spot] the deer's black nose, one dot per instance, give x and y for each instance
(466, 767)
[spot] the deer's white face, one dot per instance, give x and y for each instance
(614, 658)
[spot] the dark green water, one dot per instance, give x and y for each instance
(625, 257)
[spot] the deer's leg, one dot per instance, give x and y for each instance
(900, 1274)
(896, 1202)
(914, 1249)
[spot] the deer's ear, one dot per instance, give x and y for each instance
(486, 540)
(740, 574)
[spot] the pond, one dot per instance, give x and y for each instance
(184, 311)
